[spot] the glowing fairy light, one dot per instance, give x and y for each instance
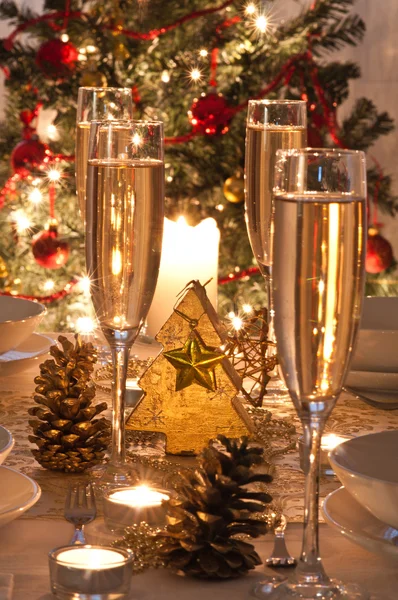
(165, 77)
(64, 37)
(85, 284)
(250, 9)
(261, 23)
(247, 308)
(220, 207)
(21, 221)
(231, 315)
(90, 49)
(203, 53)
(195, 74)
(237, 323)
(54, 175)
(137, 139)
(52, 132)
(35, 196)
(85, 325)
(49, 285)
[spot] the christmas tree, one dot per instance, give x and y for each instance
(194, 64)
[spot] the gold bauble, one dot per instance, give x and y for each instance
(120, 51)
(93, 79)
(3, 269)
(234, 189)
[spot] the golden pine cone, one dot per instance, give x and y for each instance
(68, 434)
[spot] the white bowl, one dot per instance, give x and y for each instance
(18, 320)
(367, 466)
(18, 493)
(377, 345)
(6, 443)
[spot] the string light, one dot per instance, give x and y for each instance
(261, 23)
(52, 132)
(85, 284)
(48, 285)
(250, 9)
(85, 325)
(54, 175)
(35, 196)
(165, 77)
(220, 207)
(195, 74)
(137, 139)
(237, 322)
(21, 221)
(203, 53)
(65, 37)
(247, 308)
(231, 315)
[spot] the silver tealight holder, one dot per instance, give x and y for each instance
(86, 572)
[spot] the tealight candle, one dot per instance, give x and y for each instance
(132, 505)
(85, 571)
(329, 441)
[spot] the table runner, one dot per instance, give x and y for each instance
(350, 416)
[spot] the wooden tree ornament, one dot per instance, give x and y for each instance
(191, 387)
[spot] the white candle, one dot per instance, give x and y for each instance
(187, 253)
(90, 558)
(133, 505)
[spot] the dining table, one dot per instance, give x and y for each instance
(27, 540)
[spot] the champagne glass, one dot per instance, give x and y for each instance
(271, 125)
(96, 104)
(124, 228)
(318, 286)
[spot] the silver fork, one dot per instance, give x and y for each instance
(280, 556)
(80, 509)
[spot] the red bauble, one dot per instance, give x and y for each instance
(379, 255)
(210, 114)
(48, 250)
(29, 155)
(57, 59)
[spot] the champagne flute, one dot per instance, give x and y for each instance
(124, 228)
(271, 125)
(318, 287)
(95, 104)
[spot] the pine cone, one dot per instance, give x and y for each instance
(68, 436)
(214, 504)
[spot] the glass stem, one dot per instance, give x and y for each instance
(310, 568)
(120, 357)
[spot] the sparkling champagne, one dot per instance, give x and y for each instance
(318, 290)
(262, 142)
(124, 237)
(81, 154)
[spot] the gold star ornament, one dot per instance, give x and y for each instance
(194, 363)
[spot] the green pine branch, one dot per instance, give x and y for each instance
(365, 125)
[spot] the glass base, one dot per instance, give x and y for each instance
(110, 476)
(274, 589)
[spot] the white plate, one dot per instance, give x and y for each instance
(25, 355)
(6, 443)
(372, 380)
(345, 514)
(18, 494)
